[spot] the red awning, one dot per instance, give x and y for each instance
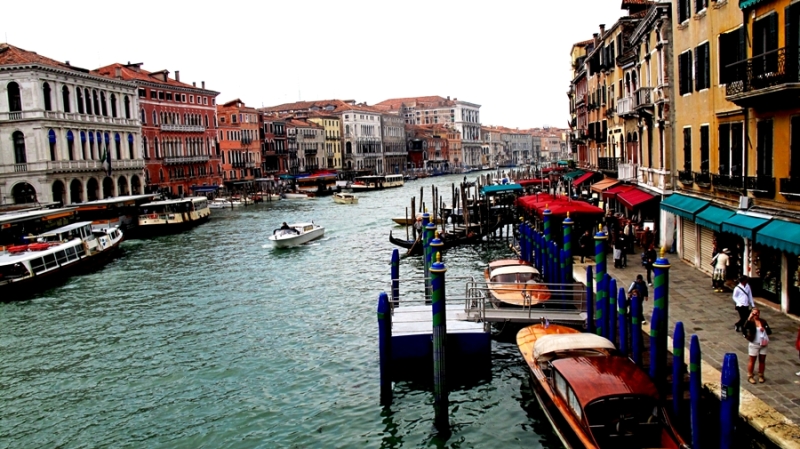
(533, 182)
(633, 198)
(583, 178)
(614, 191)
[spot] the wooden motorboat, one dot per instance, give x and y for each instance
(377, 182)
(345, 198)
(296, 234)
(512, 282)
(449, 240)
(594, 397)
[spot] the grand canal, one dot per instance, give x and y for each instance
(211, 338)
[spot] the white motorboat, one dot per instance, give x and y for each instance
(296, 196)
(296, 234)
(223, 203)
(345, 198)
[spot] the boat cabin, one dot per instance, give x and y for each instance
(515, 274)
(81, 230)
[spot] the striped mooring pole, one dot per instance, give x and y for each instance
(695, 389)
(600, 272)
(438, 302)
(547, 238)
(567, 225)
(729, 400)
(589, 301)
(661, 302)
(678, 344)
(395, 273)
(430, 234)
(385, 347)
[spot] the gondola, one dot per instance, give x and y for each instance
(449, 240)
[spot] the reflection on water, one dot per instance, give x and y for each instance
(212, 338)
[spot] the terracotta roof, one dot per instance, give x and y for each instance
(302, 123)
(304, 106)
(11, 55)
(627, 3)
(429, 101)
(134, 72)
(583, 43)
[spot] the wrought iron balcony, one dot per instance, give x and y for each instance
(686, 177)
(625, 107)
(609, 112)
(761, 186)
(749, 79)
(728, 183)
(175, 160)
(702, 179)
(790, 187)
(310, 151)
(644, 97)
(608, 165)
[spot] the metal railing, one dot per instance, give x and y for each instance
(644, 97)
(608, 163)
(686, 177)
(702, 179)
(182, 128)
(769, 69)
(625, 106)
(727, 182)
(761, 185)
(173, 160)
(790, 186)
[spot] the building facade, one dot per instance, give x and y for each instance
(71, 135)
(239, 144)
(332, 153)
(393, 134)
(275, 149)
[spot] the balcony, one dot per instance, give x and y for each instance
(686, 177)
(71, 166)
(728, 183)
(625, 107)
(609, 112)
(767, 80)
(656, 179)
(627, 171)
(643, 97)
(310, 152)
(608, 165)
(72, 116)
(702, 179)
(175, 160)
(183, 128)
(790, 188)
(763, 186)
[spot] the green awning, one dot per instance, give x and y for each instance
(712, 217)
(683, 206)
(747, 3)
(573, 174)
(504, 188)
(781, 235)
(563, 162)
(743, 225)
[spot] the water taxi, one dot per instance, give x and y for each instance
(345, 198)
(594, 397)
(121, 211)
(224, 203)
(377, 182)
(164, 217)
(514, 282)
(295, 234)
(54, 256)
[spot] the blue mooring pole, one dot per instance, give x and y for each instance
(438, 302)
(661, 302)
(636, 331)
(567, 225)
(612, 310)
(729, 403)
(425, 239)
(622, 314)
(600, 307)
(589, 300)
(395, 273)
(678, 344)
(385, 346)
(695, 389)
(655, 348)
(600, 271)
(430, 234)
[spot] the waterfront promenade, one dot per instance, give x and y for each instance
(711, 316)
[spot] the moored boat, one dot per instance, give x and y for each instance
(345, 198)
(53, 257)
(296, 196)
(594, 397)
(514, 282)
(223, 203)
(168, 216)
(377, 182)
(296, 234)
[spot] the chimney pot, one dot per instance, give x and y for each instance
(66, 62)
(194, 84)
(178, 76)
(203, 84)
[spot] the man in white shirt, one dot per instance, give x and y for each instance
(721, 262)
(743, 298)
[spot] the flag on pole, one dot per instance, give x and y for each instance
(106, 160)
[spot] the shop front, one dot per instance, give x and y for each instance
(713, 240)
(744, 226)
(686, 208)
(776, 250)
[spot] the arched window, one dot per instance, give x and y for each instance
(83, 145)
(71, 145)
(155, 118)
(143, 116)
(88, 101)
(103, 105)
(130, 146)
(65, 98)
(206, 120)
(91, 145)
(113, 106)
(20, 157)
(100, 147)
(158, 153)
(14, 99)
(48, 104)
(144, 146)
(127, 107)
(118, 152)
(51, 137)
(79, 99)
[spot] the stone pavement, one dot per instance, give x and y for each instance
(711, 316)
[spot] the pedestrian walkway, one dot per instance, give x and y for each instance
(711, 316)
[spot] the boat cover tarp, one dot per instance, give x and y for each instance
(551, 343)
(488, 190)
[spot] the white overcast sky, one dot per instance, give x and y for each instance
(511, 57)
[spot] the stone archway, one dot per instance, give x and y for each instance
(122, 186)
(23, 193)
(59, 192)
(136, 185)
(108, 187)
(75, 191)
(92, 190)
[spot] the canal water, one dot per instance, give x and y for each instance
(211, 338)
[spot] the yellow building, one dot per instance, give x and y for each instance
(735, 107)
(333, 139)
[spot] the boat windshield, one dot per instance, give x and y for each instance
(285, 231)
(625, 421)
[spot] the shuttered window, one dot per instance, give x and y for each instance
(684, 10)
(731, 51)
(724, 148)
(701, 68)
(765, 42)
(687, 149)
(685, 72)
(700, 5)
(704, 153)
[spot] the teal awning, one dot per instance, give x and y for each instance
(573, 174)
(743, 225)
(683, 206)
(505, 188)
(781, 235)
(712, 217)
(563, 162)
(747, 3)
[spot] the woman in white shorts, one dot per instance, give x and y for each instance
(756, 331)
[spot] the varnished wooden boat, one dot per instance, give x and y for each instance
(594, 397)
(515, 283)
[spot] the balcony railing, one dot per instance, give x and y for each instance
(73, 116)
(644, 97)
(610, 112)
(686, 177)
(173, 160)
(790, 187)
(761, 185)
(608, 164)
(70, 166)
(183, 128)
(766, 70)
(655, 178)
(627, 171)
(625, 106)
(310, 151)
(727, 183)
(702, 179)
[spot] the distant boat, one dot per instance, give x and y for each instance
(168, 216)
(296, 196)
(224, 203)
(408, 221)
(296, 234)
(345, 198)
(377, 182)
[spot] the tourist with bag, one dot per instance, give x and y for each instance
(757, 332)
(720, 264)
(743, 301)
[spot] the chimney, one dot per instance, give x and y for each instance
(194, 84)
(602, 29)
(66, 62)
(448, 97)
(118, 72)
(595, 39)
(178, 76)
(203, 84)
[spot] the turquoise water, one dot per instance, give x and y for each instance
(211, 338)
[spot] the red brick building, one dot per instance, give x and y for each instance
(274, 146)
(239, 144)
(179, 130)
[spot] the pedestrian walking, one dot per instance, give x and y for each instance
(720, 262)
(622, 245)
(757, 332)
(743, 300)
(617, 255)
(585, 242)
(638, 292)
(649, 259)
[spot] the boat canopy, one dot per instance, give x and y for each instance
(514, 269)
(504, 188)
(546, 345)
